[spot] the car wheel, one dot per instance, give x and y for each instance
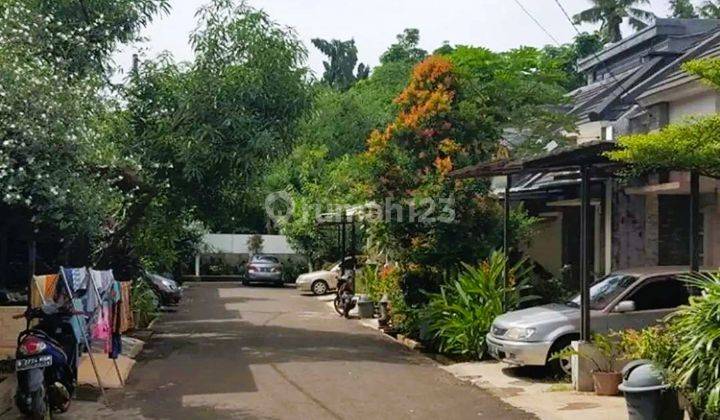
(319, 287)
(561, 366)
(245, 283)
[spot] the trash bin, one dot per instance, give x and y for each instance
(366, 307)
(646, 395)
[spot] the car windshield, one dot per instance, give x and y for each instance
(265, 259)
(604, 291)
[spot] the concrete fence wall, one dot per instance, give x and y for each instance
(9, 330)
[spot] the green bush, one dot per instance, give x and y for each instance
(458, 318)
(292, 269)
(653, 343)
(144, 303)
(694, 367)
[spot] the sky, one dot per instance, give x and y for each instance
(495, 24)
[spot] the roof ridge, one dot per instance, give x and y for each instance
(692, 53)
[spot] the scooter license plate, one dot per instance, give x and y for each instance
(33, 363)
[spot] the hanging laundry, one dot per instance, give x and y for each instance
(72, 278)
(43, 290)
(103, 281)
(116, 347)
(51, 284)
(77, 278)
(37, 291)
(126, 315)
(101, 329)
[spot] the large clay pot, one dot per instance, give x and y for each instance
(606, 383)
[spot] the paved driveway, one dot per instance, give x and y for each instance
(251, 352)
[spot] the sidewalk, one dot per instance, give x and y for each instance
(555, 401)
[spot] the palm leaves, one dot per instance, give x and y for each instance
(459, 317)
(611, 14)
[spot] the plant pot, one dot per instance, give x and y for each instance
(606, 383)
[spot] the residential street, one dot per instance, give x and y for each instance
(255, 352)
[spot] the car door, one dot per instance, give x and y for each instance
(654, 299)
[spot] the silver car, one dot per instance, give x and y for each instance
(633, 298)
(264, 269)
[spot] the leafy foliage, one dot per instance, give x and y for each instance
(682, 9)
(255, 244)
(77, 37)
(144, 303)
(612, 13)
(691, 145)
(695, 364)
(460, 316)
(60, 169)
(710, 9)
(340, 70)
(608, 350)
(653, 343)
(325, 168)
(565, 58)
(405, 49)
(220, 121)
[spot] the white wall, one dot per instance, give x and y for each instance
(218, 243)
(589, 131)
(694, 106)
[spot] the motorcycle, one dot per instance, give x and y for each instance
(46, 363)
(345, 298)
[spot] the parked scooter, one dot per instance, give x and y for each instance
(46, 362)
(345, 299)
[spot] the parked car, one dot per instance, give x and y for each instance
(166, 289)
(323, 281)
(264, 269)
(633, 298)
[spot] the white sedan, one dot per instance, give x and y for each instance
(319, 282)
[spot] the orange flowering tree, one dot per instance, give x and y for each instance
(432, 221)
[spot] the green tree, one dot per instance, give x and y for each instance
(682, 9)
(255, 244)
(340, 70)
(78, 37)
(405, 49)
(221, 120)
(710, 9)
(612, 13)
(60, 169)
(324, 167)
(566, 57)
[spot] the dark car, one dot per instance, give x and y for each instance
(264, 269)
(166, 289)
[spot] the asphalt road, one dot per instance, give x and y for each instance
(270, 353)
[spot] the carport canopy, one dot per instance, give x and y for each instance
(589, 159)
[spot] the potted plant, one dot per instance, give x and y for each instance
(604, 356)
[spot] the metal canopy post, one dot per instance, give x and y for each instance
(506, 228)
(694, 221)
(32, 257)
(584, 253)
(343, 240)
(353, 240)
